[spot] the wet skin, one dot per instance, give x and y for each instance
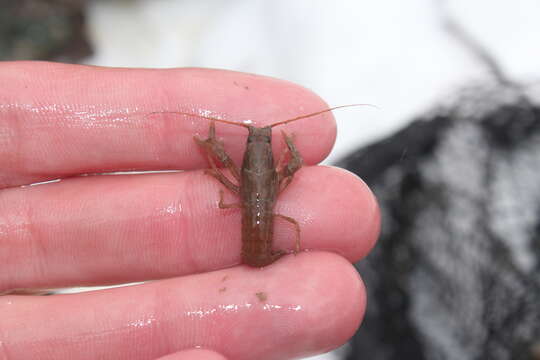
(59, 121)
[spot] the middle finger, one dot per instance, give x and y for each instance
(122, 228)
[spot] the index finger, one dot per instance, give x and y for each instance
(58, 120)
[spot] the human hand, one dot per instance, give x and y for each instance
(60, 121)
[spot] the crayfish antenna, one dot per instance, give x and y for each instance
(198, 116)
(317, 113)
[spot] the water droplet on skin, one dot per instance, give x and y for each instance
(235, 308)
(172, 209)
(271, 307)
(145, 322)
(43, 182)
(202, 112)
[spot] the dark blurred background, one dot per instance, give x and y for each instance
(43, 30)
(453, 154)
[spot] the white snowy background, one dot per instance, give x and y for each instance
(397, 55)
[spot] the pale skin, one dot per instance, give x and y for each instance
(60, 121)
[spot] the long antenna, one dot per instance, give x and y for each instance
(317, 113)
(247, 126)
(199, 116)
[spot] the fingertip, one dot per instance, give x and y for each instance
(326, 303)
(366, 214)
(340, 302)
(336, 210)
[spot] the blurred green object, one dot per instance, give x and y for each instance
(43, 30)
